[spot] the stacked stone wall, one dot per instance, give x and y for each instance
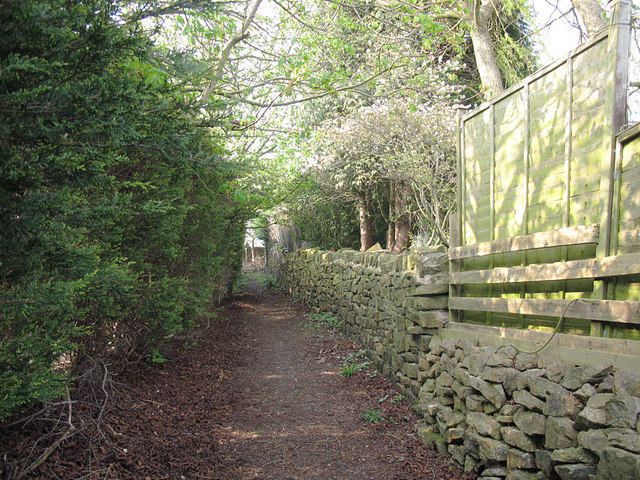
(504, 413)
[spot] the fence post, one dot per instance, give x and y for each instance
(454, 265)
(616, 108)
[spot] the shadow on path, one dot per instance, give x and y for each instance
(294, 417)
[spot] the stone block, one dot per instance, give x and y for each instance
(497, 374)
(417, 330)
(561, 403)
(544, 462)
(446, 400)
(560, 433)
(495, 471)
(492, 450)
(509, 409)
(573, 455)
(444, 380)
(431, 302)
(626, 382)
(606, 386)
(517, 459)
(524, 379)
(530, 423)
(517, 438)
(475, 403)
(554, 370)
(448, 346)
(470, 463)
(523, 397)
(501, 358)
(540, 386)
(508, 351)
(429, 319)
(458, 404)
(434, 345)
(466, 344)
(447, 418)
(410, 357)
(591, 418)
(411, 370)
(402, 341)
(431, 284)
(462, 391)
(483, 424)
(624, 438)
(622, 411)
(575, 472)
(429, 386)
(457, 452)
(470, 442)
(521, 475)
(491, 391)
(462, 375)
(594, 440)
(424, 341)
(504, 419)
(585, 392)
(526, 361)
(616, 464)
(576, 377)
(428, 434)
(475, 362)
(454, 435)
(489, 408)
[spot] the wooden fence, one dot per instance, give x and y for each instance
(549, 199)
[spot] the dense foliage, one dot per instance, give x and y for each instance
(398, 163)
(113, 230)
(384, 152)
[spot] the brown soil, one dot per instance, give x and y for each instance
(260, 395)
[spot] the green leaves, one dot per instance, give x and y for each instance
(115, 229)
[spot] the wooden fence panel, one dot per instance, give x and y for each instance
(537, 163)
(626, 236)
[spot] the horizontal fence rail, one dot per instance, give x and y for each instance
(584, 234)
(626, 264)
(590, 309)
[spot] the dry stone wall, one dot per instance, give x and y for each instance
(507, 414)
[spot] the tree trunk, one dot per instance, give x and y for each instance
(391, 232)
(402, 220)
(480, 14)
(592, 15)
(366, 222)
(403, 229)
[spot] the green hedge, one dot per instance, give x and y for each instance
(113, 235)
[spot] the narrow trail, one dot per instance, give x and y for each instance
(294, 419)
(256, 393)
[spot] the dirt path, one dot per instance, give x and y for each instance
(295, 418)
(256, 394)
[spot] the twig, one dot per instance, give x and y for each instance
(43, 457)
(26, 420)
(106, 394)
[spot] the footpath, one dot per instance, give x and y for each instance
(259, 391)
